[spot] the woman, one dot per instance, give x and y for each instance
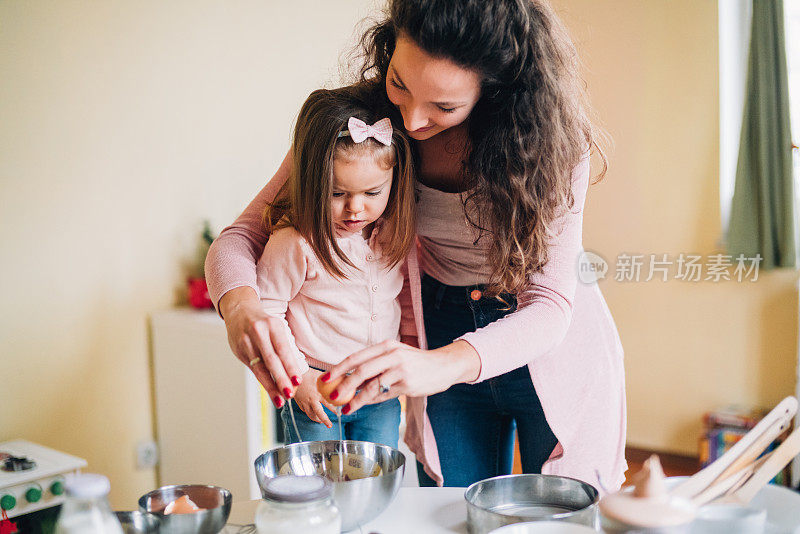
(491, 95)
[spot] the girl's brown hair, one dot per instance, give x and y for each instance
(305, 201)
(527, 132)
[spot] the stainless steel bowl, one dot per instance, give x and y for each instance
(544, 527)
(358, 501)
(216, 502)
(138, 522)
(499, 501)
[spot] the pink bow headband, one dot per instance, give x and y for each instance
(359, 130)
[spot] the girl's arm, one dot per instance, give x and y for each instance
(231, 275)
(280, 273)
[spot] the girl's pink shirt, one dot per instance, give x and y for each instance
(327, 317)
(562, 330)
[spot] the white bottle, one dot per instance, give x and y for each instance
(86, 509)
(298, 505)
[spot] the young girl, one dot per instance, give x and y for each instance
(332, 269)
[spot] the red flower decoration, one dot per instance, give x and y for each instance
(198, 293)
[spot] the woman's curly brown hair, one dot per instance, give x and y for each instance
(528, 130)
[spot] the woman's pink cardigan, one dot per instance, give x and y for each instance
(562, 330)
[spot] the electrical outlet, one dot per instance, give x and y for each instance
(146, 454)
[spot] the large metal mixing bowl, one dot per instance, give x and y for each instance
(215, 501)
(505, 500)
(376, 470)
(138, 522)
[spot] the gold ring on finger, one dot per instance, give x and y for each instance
(254, 361)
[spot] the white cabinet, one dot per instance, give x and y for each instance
(212, 417)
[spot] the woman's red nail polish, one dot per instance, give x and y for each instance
(326, 377)
(296, 380)
(287, 392)
(278, 401)
(334, 394)
(346, 409)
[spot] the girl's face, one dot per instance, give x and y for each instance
(361, 188)
(433, 94)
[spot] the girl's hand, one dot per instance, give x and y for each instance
(310, 401)
(252, 334)
(405, 370)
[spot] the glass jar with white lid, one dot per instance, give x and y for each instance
(298, 505)
(86, 509)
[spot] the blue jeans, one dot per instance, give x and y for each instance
(474, 424)
(378, 423)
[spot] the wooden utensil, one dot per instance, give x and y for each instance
(735, 477)
(770, 467)
(748, 448)
(728, 484)
(752, 453)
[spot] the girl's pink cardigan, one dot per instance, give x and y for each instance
(562, 330)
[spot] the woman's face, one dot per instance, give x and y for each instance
(433, 94)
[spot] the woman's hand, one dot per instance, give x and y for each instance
(310, 401)
(260, 339)
(404, 370)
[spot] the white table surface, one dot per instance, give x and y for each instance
(424, 510)
(429, 510)
(444, 511)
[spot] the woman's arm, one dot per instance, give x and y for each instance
(231, 260)
(405, 369)
(544, 310)
(231, 275)
(536, 327)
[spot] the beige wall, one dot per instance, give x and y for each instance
(690, 347)
(122, 126)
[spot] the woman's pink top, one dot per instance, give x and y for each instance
(452, 250)
(562, 330)
(326, 317)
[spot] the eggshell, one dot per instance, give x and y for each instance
(182, 505)
(326, 388)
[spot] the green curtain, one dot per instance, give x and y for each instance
(762, 215)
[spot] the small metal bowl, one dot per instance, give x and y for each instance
(215, 501)
(544, 527)
(499, 501)
(359, 500)
(138, 522)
